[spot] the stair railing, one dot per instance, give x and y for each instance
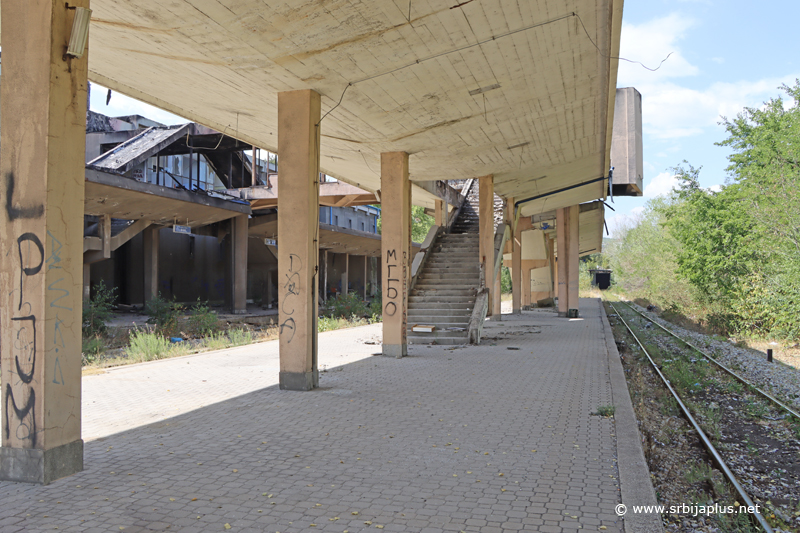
(425, 250)
(451, 219)
(478, 317)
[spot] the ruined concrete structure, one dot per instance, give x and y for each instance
(518, 97)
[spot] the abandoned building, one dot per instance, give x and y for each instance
(165, 171)
(501, 127)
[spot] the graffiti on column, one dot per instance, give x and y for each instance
(55, 295)
(292, 287)
(396, 285)
(20, 397)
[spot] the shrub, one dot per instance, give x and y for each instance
(376, 308)
(97, 310)
(202, 320)
(347, 305)
(163, 313)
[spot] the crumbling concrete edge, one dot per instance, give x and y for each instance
(636, 487)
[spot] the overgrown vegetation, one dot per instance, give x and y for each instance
(163, 313)
(202, 320)
(728, 257)
(97, 310)
(347, 306)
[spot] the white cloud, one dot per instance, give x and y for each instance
(660, 185)
(671, 111)
(649, 43)
(715, 188)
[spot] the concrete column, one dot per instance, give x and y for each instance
(150, 238)
(366, 273)
(497, 302)
(486, 225)
(325, 279)
(43, 143)
(516, 270)
(574, 257)
(526, 286)
(270, 295)
(87, 282)
(240, 234)
(298, 223)
(395, 250)
(562, 236)
(346, 275)
(568, 238)
(551, 261)
(439, 214)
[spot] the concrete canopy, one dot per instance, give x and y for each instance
(532, 104)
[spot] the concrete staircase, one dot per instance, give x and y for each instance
(444, 294)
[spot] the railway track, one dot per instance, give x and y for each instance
(713, 383)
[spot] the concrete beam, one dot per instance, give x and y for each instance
(151, 242)
(239, 270)
(129, 233)
(298, 226)
(396, 251)
(43, 141)
(441, 190)
(486, 222)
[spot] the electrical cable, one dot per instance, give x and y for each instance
(490, 39)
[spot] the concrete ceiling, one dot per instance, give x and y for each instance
(514, 88)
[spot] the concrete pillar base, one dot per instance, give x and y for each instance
(395, 350)
(33, 465)
(301, 381)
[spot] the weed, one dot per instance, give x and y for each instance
(148, 346)
(216, 341)
(755, 409)
(698, 473)
(605, 410)
(163, 313)
(97, 310)
(240, 337)
(92, 347)
(669, 406)
(734, 386)
(202, 320)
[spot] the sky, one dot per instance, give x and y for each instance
(726, 54)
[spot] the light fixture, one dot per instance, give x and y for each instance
(80, 32)
(475, 92)
(520, 145)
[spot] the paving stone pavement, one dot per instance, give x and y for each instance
(480, 439)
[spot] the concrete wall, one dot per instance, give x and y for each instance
(357, 218)
(189, 267)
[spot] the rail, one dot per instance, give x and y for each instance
(723, 367)
(717, 458)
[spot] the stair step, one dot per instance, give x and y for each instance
(438, 319)
(443, 341)
(434, 294)
(443, 306)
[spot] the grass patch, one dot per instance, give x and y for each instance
(147, 345)
(605, 410)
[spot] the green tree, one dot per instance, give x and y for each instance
(420, 223)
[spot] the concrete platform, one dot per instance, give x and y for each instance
(476, 438)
